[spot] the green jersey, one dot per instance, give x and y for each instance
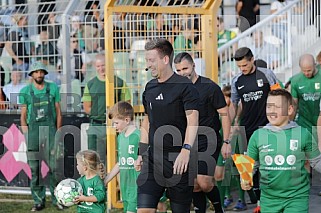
(43, 103)
(127, 154)
(307, 91)
(95, 93)
(96, 187)
(282, 154)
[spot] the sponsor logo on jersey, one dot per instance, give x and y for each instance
(311, 96)
(279, 160)
(260, 82)
(130, 161)
(301, 87)
(268, 160)
(291, 160)
(294, 145)
(317, 85)
(122, 161)
(252, 96)
(240, 87)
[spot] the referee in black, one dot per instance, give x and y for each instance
(168, 133)
(212, 107)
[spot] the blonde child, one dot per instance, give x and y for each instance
(94, 192)
(122, 115)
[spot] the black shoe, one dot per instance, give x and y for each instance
(37, 207)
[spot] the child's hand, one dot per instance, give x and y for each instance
(138, 163)
(79, 198)
(245, 185)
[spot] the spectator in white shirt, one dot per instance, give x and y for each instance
(12, 89)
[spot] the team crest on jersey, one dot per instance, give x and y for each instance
(131, 149)
(294, 145)
(260, 82)
(317, 85)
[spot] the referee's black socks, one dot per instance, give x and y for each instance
(199, 202)
(214, 197)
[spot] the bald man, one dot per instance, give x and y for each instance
(94, 102)
(306, 90)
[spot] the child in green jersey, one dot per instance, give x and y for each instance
(122, 115)
(93, 198)
(281, 147)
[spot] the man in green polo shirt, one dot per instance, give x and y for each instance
(94, 100)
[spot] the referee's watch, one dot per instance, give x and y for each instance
(187, 146)
(227, 141)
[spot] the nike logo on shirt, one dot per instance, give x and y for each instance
(240, 87)
(301, 87)
(266, 146)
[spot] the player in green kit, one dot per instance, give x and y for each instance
(281, 147)
(122, 115)
(306, 91)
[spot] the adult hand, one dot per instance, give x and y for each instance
(181, 162)
(138, 163)
(245, 185)
(226, 150)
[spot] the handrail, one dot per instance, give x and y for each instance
(256, 26)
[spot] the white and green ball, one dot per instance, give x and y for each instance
(67, 190)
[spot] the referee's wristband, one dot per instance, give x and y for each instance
(142, 148)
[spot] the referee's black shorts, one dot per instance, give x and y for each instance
(207, 157)
(157, 175)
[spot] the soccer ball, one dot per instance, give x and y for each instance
(67, 190)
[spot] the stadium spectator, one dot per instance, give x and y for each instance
(247, 11)
(279, 27)
(94, 100)
(12, 89)
(53, 28)
(184, 41)
(46, 51)
(223, 35)
(17, 42)
(77, 29)
(265, 51)
(159, 29)
(78, 67)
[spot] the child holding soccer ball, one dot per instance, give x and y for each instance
(94, 192)
(282, 147)
(122, 115)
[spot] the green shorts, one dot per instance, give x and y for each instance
(285, 205)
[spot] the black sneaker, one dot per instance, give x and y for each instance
(37, 207)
